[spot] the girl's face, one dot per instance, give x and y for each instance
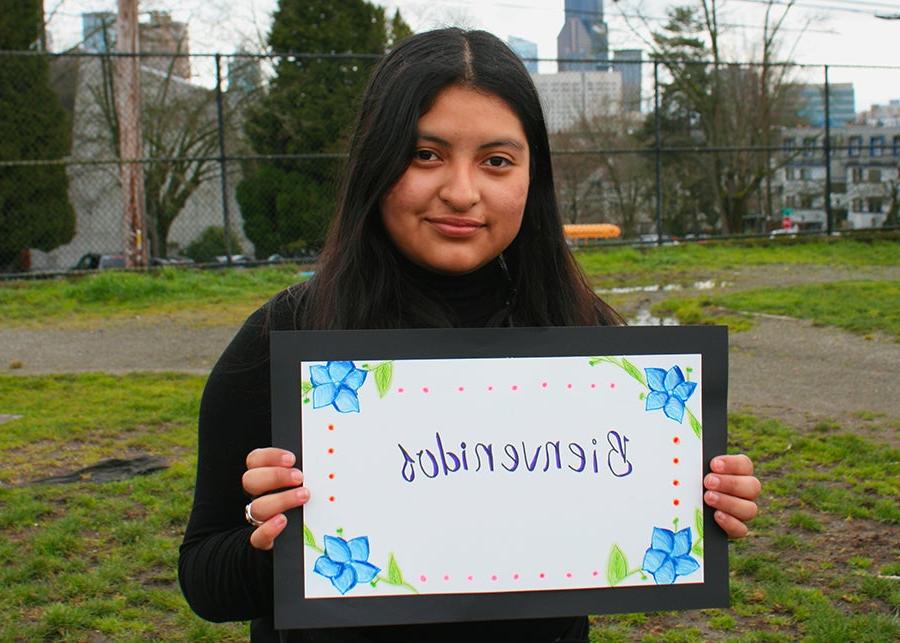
(460, 202)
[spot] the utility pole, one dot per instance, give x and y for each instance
(128, 105)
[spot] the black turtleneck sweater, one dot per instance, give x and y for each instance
(222, 576)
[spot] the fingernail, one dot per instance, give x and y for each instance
(712, 482)
(720, 516)
(712, 497)
(280, 520)
(287, 459)
(296, 477)
(302, 494)
(718, 465)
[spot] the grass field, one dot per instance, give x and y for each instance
(92, 560)
(217, 297)
(88, 557)
(863, 307)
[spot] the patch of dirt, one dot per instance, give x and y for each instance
(782, 368)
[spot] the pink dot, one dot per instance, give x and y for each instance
(493, 578)
(612, 385)
(596, 573)
(515, 577)
(400, 390)
(423, 578)
(568, 574)
(424, 389)
(490, 388)
(541, 575)
(593, 386)
(544, 385)
(469, 578)
(515, 387)
(446, 577)
(461, 389)
(568, 386)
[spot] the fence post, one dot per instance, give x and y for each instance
(829, 221)
(226, 223)
(658, 149)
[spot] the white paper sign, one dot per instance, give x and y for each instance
(446, 476)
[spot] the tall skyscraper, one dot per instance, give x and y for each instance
(628, 62)
(584, 37)
(525, 49)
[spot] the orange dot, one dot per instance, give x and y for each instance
(675, 482)
(676, 502)
(676, 440)
(330, 451)
(331, 476)
(675, 460)
(331, 427)
(331, 499)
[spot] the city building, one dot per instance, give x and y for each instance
(628, 62)
(584, 37)
(865, 176)
(881, 115)
(571, 97)
(160, 34)
(809, 104)
(526, 50)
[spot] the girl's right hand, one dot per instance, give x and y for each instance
(267, 470)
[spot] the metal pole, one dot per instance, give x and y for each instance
(222, 163)
(658, 146)
(829, 221)
(128, 105)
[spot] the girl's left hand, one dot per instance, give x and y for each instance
(731, 489)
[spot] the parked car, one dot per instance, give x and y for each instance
(95, 261)
(171, 261)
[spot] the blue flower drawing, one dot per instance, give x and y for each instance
(346, 563)
(336, 383)
(669, 555)
(668, 391)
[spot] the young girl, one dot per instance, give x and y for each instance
(446, 218)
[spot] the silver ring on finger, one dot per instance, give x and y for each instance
(248, 516)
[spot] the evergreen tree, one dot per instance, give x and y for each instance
(34, 206)
(286, 204)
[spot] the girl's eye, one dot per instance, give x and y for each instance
(498, 161)
(425, 155)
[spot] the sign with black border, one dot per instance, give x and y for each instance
(422, 417)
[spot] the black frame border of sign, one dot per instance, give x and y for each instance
(289, 348)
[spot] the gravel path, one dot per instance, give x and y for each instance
(783, 368)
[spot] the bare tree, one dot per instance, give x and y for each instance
(733, 110)
(180, 137)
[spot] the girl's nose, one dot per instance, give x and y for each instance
(460, 190)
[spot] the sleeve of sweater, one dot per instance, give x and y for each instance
(222, 576)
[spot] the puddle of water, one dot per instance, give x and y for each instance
(643, 317)
(697, 285)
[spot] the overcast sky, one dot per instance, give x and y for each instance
(834, 32)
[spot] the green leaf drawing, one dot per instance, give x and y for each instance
(384, 372)
(617, 569)
(634, 371)
(309, 538)
(697, 549)
(305, 389)
(696, 427)
(698, 523)
(395, 576)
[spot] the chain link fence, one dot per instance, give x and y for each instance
(239, 154)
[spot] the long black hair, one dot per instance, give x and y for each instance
(358, 278)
